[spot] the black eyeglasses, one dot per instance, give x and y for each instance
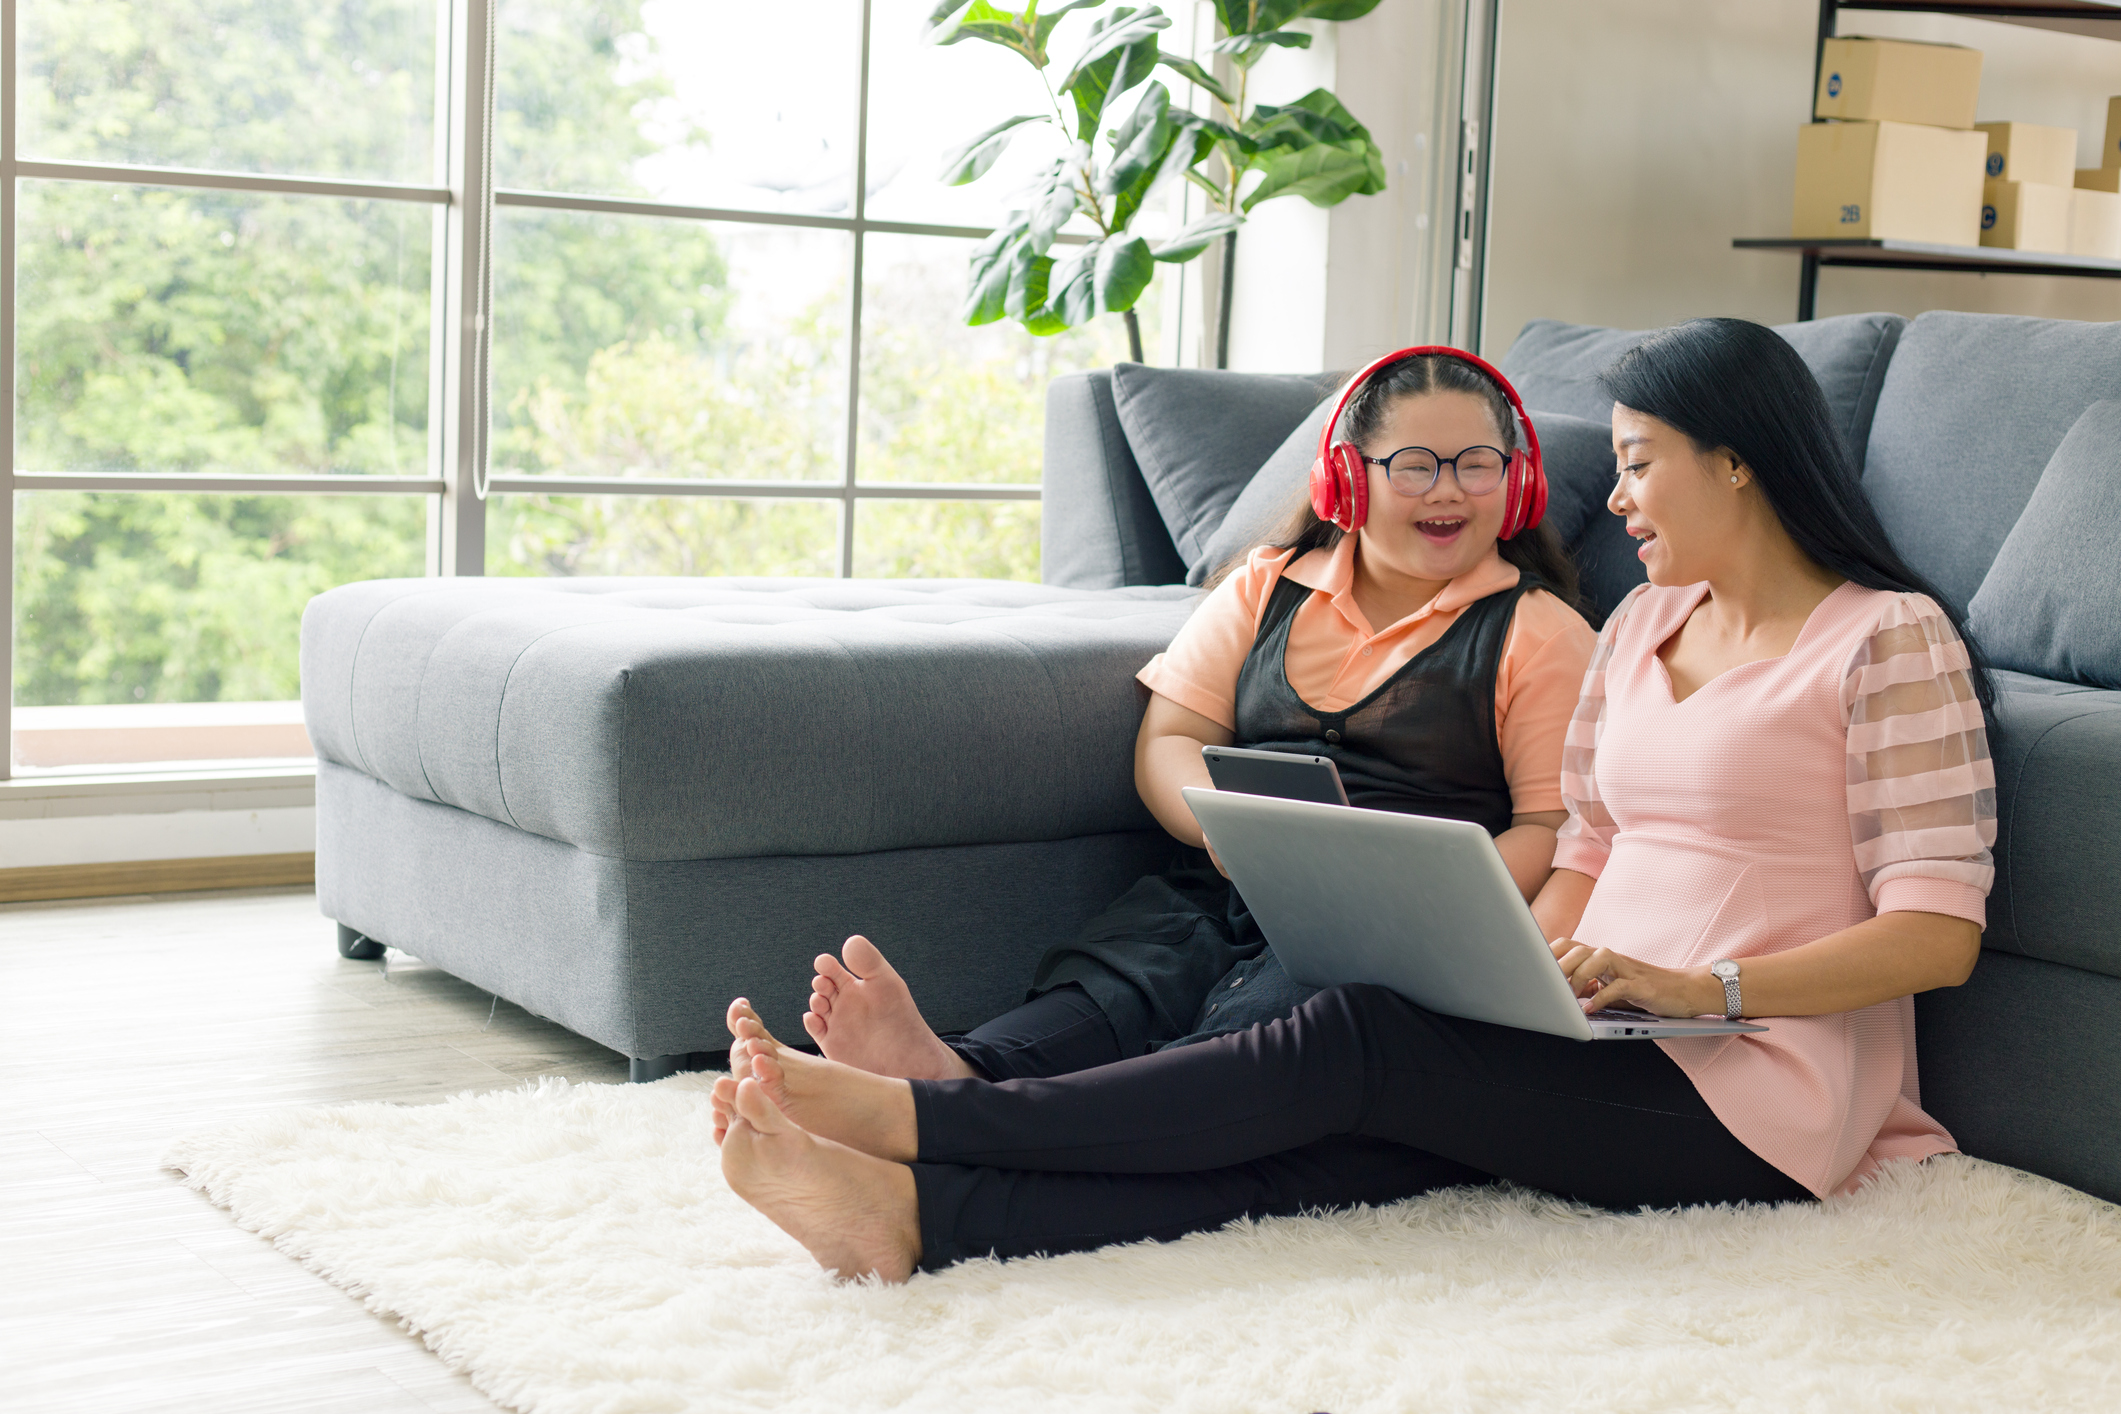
(1412, 471)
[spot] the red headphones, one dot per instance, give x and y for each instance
(1340, 479)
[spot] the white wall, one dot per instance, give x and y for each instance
(1331, 288)
(1382, 289)
(1635, 138)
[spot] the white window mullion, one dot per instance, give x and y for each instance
(8, 104)
(854, 300)
(463, 332)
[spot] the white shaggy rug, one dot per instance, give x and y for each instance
(573, 1248)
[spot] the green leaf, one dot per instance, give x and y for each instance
(1073, 296)
(1043, 26)
(971, 160)
(1189, 146)
(1141, 142)
(1196, 74)
(1245, 50)
(1029, 279)
(1121, 53)
(981, 20)
(1028, 274)
(1054, 201)
(1323, 174)
(1335, 10)
(1124, 269)
(988, 288)
(1274, 14)
(1197, 236)
(1313, 148)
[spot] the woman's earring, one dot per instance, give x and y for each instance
(1734, 481)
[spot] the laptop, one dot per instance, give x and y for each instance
(1421, 905)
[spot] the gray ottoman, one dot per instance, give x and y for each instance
(620, 802)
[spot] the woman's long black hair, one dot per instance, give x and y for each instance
(1537, 553)
(1732, 385)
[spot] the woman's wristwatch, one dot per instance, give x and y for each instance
(1726, 972)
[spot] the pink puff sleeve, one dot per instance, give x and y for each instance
(1921, 786)
(1586, 840)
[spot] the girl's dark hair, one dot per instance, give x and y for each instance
(1537, 552)
(1732, 385)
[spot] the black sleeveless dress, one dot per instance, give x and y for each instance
(1178, 958)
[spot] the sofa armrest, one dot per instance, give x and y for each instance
(1099, 528)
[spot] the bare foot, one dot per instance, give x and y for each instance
(857, 1215)
(861, 1014)
(872, 1113)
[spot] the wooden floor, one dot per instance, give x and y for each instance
(125, 1023)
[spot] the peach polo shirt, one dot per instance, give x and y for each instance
(1335, 659)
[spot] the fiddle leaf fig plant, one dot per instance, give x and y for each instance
(1108, 163)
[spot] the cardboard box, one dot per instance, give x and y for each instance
(2026, 216)
(2110, 150)
(2028, 152)
(1898, 81)
(2099, 179)
(1889, 181)
(2095, 224)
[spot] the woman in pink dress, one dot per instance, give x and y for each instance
(1780, 804)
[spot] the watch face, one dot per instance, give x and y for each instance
(1725, 970)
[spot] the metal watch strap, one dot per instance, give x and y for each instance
(1733, 1008)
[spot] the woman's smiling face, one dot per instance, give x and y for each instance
(1441, 533)
(1676, 498)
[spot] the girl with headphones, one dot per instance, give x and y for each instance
(1414, 623)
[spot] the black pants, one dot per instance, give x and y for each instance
(1359, 1096)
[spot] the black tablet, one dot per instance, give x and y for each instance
(1275, 773)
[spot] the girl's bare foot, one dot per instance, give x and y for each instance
(872, 1113)
(862, 1014)
(859, 1216)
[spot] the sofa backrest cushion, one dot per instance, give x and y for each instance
(1099, 527)
(1556, 366)
(2051, 602)
(1197, 435)
(1268, 499)
(1973, 407)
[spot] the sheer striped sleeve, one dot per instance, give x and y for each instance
(1586, 838)
(1921, 786)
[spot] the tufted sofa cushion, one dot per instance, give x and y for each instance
(673, 719)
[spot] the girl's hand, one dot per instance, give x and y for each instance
(1605, 978)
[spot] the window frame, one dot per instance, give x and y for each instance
(459, 350)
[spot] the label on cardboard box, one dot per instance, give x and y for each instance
(1898, 81)
(2031, 152)
(1889, 181)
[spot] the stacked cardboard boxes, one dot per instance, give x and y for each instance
(2025, 203)
(2095, 214)
(1900, 158)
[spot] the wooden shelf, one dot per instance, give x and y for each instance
(1920, 255)
(2094, 17)
(1997, 9)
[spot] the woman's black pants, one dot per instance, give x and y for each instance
(1359, 1096)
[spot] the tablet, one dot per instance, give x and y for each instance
(1277, 773)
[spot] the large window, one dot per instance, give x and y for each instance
(298, 292)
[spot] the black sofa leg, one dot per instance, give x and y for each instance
(358, 946)
(642, 1069)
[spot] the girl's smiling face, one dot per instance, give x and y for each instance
(1441, 533)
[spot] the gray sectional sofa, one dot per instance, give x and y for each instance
(620, 802)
